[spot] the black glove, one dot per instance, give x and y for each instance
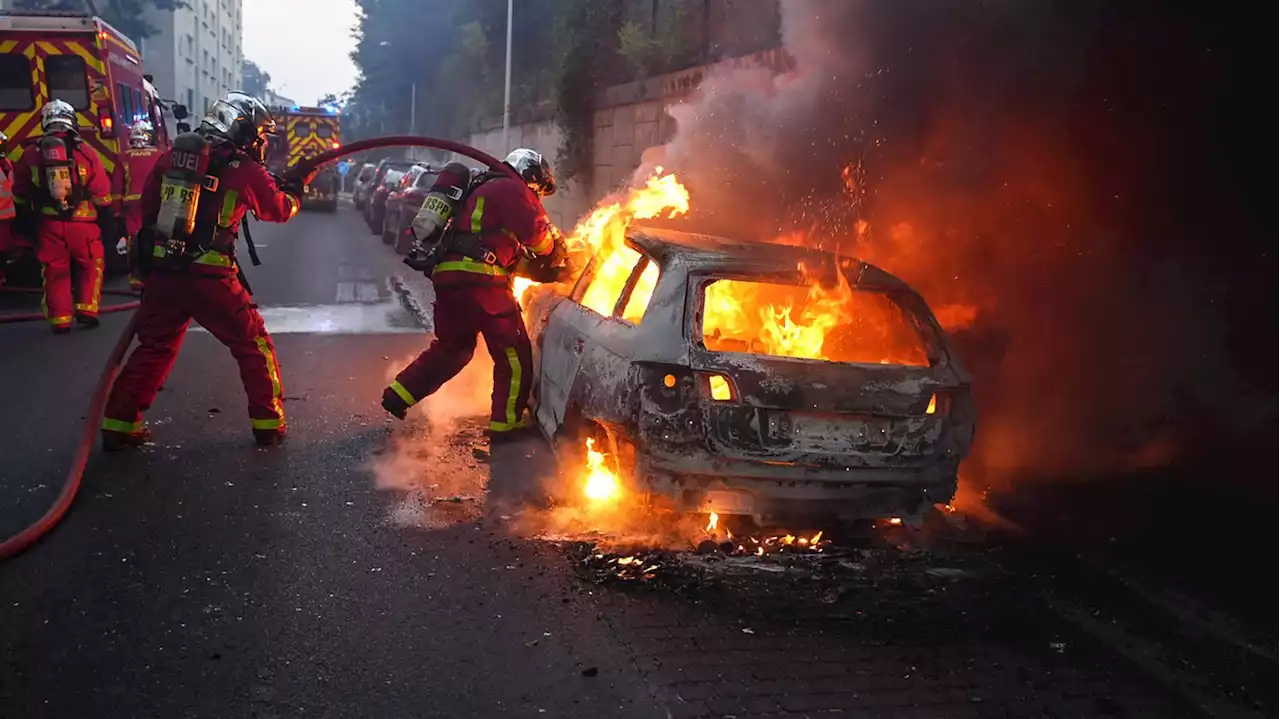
(301, 174)
(424, 260)
(110, 226)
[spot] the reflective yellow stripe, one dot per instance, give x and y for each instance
(119, 425)
(228, 207)
(216, 259)
(477, 214)
(544, 246)
(266, 423)
(91, 306)
(404, 393)
(273, 369)
(470, 265)
(514, 360)
(293, 205)
(508, 426)
(131, 198)
(60, 320)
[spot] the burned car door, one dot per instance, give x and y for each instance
(584, 354)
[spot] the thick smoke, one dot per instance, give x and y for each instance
(1026, 166)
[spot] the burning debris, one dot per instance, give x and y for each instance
(724, 542)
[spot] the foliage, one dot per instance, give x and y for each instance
(663, 45)
(124, 15)
(589, 58)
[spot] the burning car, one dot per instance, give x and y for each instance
(755, 379)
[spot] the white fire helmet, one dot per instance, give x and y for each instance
(142, 134)
(58, 116)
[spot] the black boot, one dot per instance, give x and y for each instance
(394, 403)
(89, 321)
(120, 441)
(268, 437)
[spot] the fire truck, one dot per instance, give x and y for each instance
(78, 58)
(306, 132)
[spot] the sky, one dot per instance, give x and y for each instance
(303, 44)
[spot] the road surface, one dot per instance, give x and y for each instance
(369, 568)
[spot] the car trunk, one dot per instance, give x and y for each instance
(795, 372)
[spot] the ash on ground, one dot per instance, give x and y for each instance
(871, 570)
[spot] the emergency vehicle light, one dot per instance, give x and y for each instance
(106, 124)
(336, 144)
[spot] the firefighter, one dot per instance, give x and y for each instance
(498, 225)
(139, 160)
(64, 182)
(192, 205)
(9, 241)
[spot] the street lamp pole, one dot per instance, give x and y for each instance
(506, 91)
(413, 108)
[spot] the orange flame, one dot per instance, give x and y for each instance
(803, 320)
(602, 485)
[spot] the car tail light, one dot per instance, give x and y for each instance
(939, 403)
(719, 387)
(336, 144)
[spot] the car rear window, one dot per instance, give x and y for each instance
(301, 130)
(392, 177)
(323, 130)
(67, 81)
(365, 172)
(16, 90)
(809, 321)
(426, 180)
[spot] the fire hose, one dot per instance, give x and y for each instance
(89, 431)
(33, 316)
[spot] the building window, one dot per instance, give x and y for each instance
(191, 46)
(191, 100)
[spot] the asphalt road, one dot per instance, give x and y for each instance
(366, 568)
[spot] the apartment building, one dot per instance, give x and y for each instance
(196, 53)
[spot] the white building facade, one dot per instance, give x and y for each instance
(196, 53)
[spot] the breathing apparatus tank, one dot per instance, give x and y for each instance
(180, 191)
(55, 160)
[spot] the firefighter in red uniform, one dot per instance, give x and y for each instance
(9, 240)
(139, 160)
(192, 206)
(498, 225)
(64, 181)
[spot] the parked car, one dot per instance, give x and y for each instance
(376, 203)
(681, 355)
(379, 171)
(402, 205)
(361, 187)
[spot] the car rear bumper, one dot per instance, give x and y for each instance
(790, 490)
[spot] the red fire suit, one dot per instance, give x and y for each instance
(473, 296)
(8, 211)
(138, 163)
(62, 241)
(208, 291)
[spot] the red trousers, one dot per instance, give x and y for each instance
(222, 306)
(64, 246)
(462, 312)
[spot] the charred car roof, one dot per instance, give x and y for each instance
(709, 253)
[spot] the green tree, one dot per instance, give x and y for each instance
(124, 15)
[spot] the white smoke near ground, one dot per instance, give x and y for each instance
(426, 456)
